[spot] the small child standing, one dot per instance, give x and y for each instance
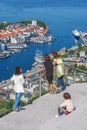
(67, 106)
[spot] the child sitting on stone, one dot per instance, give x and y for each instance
(67, 106)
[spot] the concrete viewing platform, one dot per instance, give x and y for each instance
(40, 115)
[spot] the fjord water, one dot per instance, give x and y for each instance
(62, 16)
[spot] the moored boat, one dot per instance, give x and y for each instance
(42, 39)
(39, 59)
(79, 35)
(76, 35)
(2, 55)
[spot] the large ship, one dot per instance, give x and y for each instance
(39, 59)
(79, 35)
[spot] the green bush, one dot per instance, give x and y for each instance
(65, 56)
(3, 112)
(7, 106)
(81, 67)
(3, 103)
(3, 25)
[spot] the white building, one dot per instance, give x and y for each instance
(34, 22)
(82, 53)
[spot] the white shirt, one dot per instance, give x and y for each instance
(68, 104)
(18, 83)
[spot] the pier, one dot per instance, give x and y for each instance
(42, 39)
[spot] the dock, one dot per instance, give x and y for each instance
(42, 39)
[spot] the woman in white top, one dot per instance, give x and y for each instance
(18, 87)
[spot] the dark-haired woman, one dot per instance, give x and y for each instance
(18, 80)
(49, 73)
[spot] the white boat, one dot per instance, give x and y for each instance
(76, 35)
(42, 39)
(39, 59)
(79, 35)
(2, 56)
(83, 36)
(50, 38)
(15, 46)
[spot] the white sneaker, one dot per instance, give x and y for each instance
(56, 115)
(59, 88)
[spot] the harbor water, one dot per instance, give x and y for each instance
(61, 16)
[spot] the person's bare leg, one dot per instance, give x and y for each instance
(51, 88)
(55, 87)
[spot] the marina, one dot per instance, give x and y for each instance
(16, 37)
(42, 39)
(11, 49)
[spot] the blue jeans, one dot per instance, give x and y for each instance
(61, 82)
(61, 111)
(17, 104)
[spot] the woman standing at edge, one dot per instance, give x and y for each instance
(49, 73)
(60, 69)
(18, 88)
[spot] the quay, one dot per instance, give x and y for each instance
(40, 115)
(42, 39)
